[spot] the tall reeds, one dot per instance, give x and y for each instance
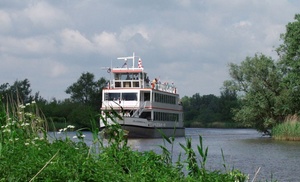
(288, 130)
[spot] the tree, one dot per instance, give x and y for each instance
(289, 53)
(228, 102)
(19, 92)
(86, 90)
(87, 94)
(83, 89)
(258, 81)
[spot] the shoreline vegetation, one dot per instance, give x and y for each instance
(289, 130)
(26, 154)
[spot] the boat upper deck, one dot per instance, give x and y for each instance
(131, 77)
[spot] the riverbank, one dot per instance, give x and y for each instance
(26, 154)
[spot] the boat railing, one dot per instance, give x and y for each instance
(139, 111)
(165, 87)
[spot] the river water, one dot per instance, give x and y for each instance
(243, 149)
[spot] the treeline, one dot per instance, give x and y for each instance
(80, 109)
(85, 100)
(210, 110)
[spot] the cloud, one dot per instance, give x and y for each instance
(74, 42)
(42, 14)
(108, 44)
(5, 22)
(39, 45)
(189, 42)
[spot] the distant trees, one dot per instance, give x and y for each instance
(82, 107)
(209, 110)
(86, 93)
(19, 91)
(87, 90)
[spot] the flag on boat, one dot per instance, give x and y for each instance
(140, 63)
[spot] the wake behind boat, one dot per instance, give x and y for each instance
(144, 107)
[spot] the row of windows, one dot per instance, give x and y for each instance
(161, 116)
(120, 96)
(165, 98)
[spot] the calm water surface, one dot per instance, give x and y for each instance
(243, 149)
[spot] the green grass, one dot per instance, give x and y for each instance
(287, 131)
(26, 154)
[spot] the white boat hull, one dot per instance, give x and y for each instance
(142, 128)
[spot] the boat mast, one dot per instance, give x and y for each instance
(129, 57)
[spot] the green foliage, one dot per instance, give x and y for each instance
(269, 90)
(26, 155)
(202, 111)
(288, 130)
(289, 63)
(86, 90)
(19, 91)
(258, 79)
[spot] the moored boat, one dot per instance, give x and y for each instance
(145, 109)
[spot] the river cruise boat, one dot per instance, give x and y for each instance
(146, 107)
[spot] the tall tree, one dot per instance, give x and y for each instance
(289, 52)
(83, 89)
(87, 90)
(258, 80)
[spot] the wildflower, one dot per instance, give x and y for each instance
(74, 136)
(25, 124)
(36, 138)
(71, 126)
(21, 106)
(26, 143)
(33, 102)
(27, 104)
(83, 136)
(7, 130)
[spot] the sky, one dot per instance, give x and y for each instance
(188, 42)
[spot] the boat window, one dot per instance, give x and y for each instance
(164, 98)
(146, 96)
(129, 96)
(112, 96)
(162, 116)
(146, 115)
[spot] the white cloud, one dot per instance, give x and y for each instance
(188, 42)
(45, 15)
(39, 45)
(130, 31)
(5, 22)
(108, 44)
(74, 42)
(243, 24)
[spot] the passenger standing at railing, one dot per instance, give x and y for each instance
(154, 83)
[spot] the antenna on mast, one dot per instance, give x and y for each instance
(129, 57)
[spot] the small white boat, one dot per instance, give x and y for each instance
(146, 108)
